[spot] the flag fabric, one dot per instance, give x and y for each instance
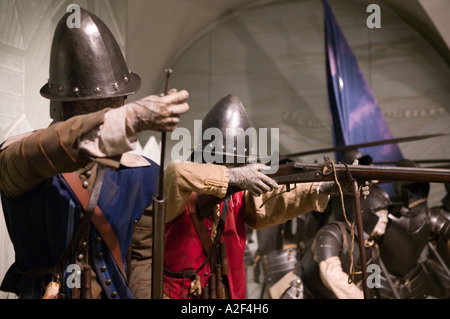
(355, 114)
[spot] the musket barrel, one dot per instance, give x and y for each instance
(383, 173)
(310, 172)
(362, 248)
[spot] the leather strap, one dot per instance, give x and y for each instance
(199, 225)
(196, 221)
(80, 234)
(98, 218)
(344, 236)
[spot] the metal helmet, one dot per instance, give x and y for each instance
(86, 63)
(406, 192)
(229, 119)
(351, 155)
(377, 199)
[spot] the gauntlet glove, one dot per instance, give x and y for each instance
(158, 113)
(331, 188)
(250, 178)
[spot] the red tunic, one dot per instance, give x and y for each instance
(184, 251)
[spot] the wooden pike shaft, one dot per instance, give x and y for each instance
(159, 213)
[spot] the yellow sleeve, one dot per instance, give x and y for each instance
(183, 178)
(27, 161)
(278, 206)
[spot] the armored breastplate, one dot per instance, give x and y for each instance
(346, 261)
(404, 239)
(310, 272)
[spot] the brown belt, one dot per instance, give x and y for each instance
(98, 219)
(208, 245)
(199, 226)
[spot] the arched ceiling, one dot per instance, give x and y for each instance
(158, 31)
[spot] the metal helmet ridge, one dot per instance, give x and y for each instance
(86, 63)
(377, 199)
(225, 131)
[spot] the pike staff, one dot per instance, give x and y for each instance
(159, 213)
(362, 248)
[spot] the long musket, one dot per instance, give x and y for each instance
(159, 213)
(296, 172)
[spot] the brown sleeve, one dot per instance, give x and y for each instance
(45, 153)
(181, 179)
(140, 263)
(278, 206)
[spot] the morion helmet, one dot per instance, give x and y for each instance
(229, 117)
(377, 199)
(86, 63)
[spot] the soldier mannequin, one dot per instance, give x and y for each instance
(399, 249)
(93, 129)
(412, 225)
(442, 245)
(193, 228)
(291, 286)
(326, 269)
(278, 250)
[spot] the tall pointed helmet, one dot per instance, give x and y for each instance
(86, 63)
(229, 118)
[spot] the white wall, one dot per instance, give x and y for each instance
(26, 31)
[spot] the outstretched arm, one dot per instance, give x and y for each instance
(66, 146)
(277, 206)
(183, 178)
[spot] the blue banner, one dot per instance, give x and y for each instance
(356, 115)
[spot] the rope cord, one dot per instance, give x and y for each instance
(352, 271)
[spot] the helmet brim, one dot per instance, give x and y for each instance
(132, 87)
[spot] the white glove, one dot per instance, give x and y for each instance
(158, 113)
(250, 178)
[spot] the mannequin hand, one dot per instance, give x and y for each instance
(158, 113)
(348, 187)
(250, 178)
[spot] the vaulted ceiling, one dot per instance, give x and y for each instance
(160, 30)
